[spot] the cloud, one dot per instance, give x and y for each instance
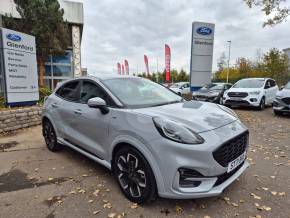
(117, 30)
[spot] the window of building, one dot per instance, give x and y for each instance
(58, 68)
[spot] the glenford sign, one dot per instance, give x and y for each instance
(18, 67)
(201, 54)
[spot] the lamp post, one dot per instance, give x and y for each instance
(229, 57)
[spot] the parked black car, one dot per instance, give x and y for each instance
(281, 103)
(212, 92)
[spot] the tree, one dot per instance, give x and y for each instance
(276, 65)
(44, 20)
(221, 62)
(244, 67)
(273, 9)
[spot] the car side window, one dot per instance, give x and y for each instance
(273, 83)
(90, 90)
(227, 86)
(267, 84)
(70, 91)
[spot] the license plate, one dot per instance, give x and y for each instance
(235, 99)
(235, 163)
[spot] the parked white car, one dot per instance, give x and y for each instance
(181, 88)
(255, 92)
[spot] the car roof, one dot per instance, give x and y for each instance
(108, 76)
(256, 78)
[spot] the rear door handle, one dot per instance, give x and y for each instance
(54, 105)
(78, 111)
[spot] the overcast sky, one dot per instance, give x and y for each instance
(115, 30)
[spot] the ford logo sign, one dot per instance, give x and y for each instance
(204, 30)
(13, 37)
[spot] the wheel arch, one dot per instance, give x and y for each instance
(148, 156)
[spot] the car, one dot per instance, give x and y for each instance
(281, 103)
(212, 92)
(181, 88)
(254, 92)
(155, 142)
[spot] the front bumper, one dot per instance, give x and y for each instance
(279, 105)
(172, 156)
(249, 101)
(212, 99)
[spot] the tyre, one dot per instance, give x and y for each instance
(262, 104)
(221, 101)
(50, 136)
(277, 113)
(134, 175)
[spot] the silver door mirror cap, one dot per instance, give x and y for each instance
(96, 102)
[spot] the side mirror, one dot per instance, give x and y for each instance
(98, 103)
(282, 87)
(181, 87)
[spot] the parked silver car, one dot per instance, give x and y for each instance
(152, 140)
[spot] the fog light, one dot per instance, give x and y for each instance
(188, 178)
(253, 100)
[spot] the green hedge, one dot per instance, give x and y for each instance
(43, 92)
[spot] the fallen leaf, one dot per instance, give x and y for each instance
(96, 212)
(235, 205)
(273, 193)
(50, 179)
(178, 209)
(90, 201)
(112, 215)
(134, 206)
(282, 193)
(96, 192)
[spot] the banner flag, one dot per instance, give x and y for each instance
(167, 63)
(126, 67)
(146, 64)
(123, 71)
(119, 68)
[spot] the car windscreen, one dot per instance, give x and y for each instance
(250, 83)
(213, 87)
(287, 86)
(175, 85)
(139, 92)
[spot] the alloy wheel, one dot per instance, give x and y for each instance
(131, 175)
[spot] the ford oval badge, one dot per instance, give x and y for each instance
(204, 30)
(13, 37)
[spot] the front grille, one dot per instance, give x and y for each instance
(232, 149)
(222, 178)
(286, 100)
(238, 94)
(201, 96)
(237, 103)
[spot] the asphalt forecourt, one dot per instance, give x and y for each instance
(35, 182)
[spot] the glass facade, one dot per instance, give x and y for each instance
(58, 68)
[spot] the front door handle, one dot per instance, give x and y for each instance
(78, 111)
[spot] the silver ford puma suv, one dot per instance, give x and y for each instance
(154, 141)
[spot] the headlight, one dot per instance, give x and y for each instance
(176, 131)
(228, 110)
(255, 93)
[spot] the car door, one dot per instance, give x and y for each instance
(91, 126)
(64, 103)
(267, 91)
(274, 90)
(186, 88)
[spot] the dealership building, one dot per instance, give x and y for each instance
(58, 68)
